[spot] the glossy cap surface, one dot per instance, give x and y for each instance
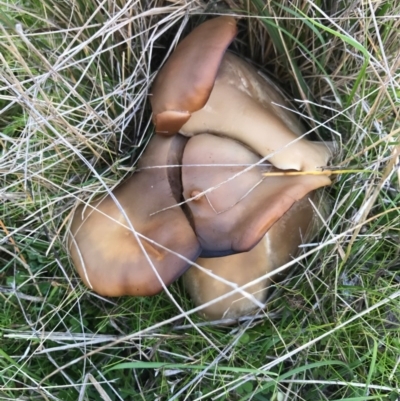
(276, 248)
(103, 247)
(184, 83)
(237, 213)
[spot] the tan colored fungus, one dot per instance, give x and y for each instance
(179, 88)
(201, 90)
(276, 248)
(103, 248)
(242, 205)
(233, 119)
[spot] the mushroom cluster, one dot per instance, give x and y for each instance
(200, 189)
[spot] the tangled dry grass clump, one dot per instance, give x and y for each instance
(74, 119)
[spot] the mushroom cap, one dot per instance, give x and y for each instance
(202, 89)
(236, 214)
(239, 269)
(276, 248)
(245, 107)
(103, 248)
(185, 82)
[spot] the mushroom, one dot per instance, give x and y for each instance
(201, 89)
(276, 248)
(139, 239)
(232, 206)
(236, 209)
(180, 89)
(102, 245)
(231, 218)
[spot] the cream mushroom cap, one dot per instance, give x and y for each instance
(103, 247)
(277, 247)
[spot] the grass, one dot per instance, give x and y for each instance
(74, 116)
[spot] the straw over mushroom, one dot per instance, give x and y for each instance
(102, 245)
(238, 105)
(277, 247)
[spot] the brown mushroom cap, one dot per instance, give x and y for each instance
(202, 89)
(241, 107)
(104, 250)
(237, 213)
(277, 247)
(185, 82)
